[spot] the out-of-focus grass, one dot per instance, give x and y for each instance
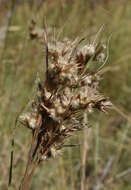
(22, 58)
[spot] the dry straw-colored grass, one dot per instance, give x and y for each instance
(108, 153)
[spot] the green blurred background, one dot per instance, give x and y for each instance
(21, 58)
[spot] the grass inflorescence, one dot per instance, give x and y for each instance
(70, 89)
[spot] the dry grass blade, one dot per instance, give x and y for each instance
(46, 45)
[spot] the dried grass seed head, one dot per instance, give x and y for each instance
(69, 91)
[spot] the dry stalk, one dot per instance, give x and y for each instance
(86, 134)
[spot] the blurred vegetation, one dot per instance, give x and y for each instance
(22, 58)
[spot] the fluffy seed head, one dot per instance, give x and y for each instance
(69, 91)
